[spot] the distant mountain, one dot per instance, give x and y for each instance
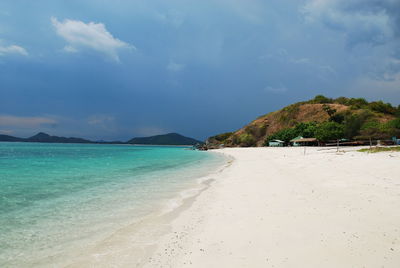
(9, 138)
(166, 139)
(43, 137)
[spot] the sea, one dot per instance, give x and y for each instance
(59, 202)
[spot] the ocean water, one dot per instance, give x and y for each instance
(54, 197)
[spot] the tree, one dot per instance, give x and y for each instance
(395, 123)
(329, 131)
(306, 130)
(374, 130)
(393, 127)
(353, 122)
(285, 135)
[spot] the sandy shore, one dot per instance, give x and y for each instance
(276, 207)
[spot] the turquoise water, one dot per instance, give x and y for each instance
(55, 196)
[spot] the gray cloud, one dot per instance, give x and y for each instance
(371, 30)
(100, 120)
(149, 131)
(362, 21)
(26, 122)
(193, 54)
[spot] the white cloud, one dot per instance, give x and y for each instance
(90, 35)
(279, 89)
(173, 17)
(100, 120)
(25, 122)
(13, 49)
(175, 67)
(70, 49)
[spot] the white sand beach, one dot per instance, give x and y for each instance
(279, 207)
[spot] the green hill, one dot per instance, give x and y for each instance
(322, 118)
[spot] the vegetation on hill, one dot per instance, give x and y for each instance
(323, 118)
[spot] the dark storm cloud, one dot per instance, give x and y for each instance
(362, 21)
(118, 69)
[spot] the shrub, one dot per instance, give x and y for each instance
(235, 139)
(222, 137)
(321, 99)
(381, 107)
(247, 140)
(289, 112)
(256, 131)
(341, 100)
(357, 103)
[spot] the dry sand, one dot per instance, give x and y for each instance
(276, 207)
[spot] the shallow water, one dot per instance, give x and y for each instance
(56, 196)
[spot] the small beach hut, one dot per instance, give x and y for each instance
(300, 141)
(276, 143)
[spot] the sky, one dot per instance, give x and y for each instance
(113, 70)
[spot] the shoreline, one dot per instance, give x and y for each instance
(281, 208)
(133, 245)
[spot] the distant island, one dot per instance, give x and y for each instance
(166, 139)
(43, 137)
